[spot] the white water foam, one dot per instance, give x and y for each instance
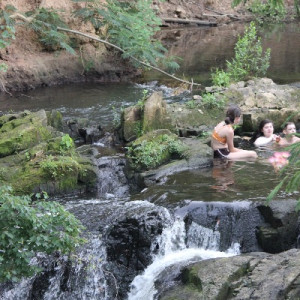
(172, 250)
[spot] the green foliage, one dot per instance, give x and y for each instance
(249, 60)
(45, 23)
(152, 153)
(270, 11)
(7, 26)
(91, 12)
(7, 31)
(213, 100)
(141, 102)
(59, 167)
(3, 67)
(28, 227)
(191, 104)
(277, 4)
(66, 144)
(131, 26)
(220, 78)
(290, 174)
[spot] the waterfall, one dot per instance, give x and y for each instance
(81, 277)
(202, 243)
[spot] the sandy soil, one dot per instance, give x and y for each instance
(31, 65)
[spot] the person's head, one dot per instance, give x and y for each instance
(289, 128)
(233, 115)
(266, 128)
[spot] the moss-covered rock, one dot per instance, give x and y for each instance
(154, 149)
(35, 157)
(155, 114)
(20, 132)
(55, 119)
(131, 123)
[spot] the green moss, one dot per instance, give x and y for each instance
(19, 134)
(33, 159)
(55, 119)
(191, 279)
(154, 149)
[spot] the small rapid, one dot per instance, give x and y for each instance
(177, 247)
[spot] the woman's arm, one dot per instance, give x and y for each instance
(262, 140)
(230, 144)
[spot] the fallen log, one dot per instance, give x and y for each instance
(188, 21)
(220, 14)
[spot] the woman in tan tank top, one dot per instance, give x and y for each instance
(222, 137)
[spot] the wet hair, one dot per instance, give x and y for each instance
(232, 112)
(259, 133)
(287, 124)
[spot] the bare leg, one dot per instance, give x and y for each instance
(241, 154)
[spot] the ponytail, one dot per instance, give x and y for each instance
(232, 112)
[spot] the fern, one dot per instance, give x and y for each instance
(131, 26)
(45, 24)
(7, 26)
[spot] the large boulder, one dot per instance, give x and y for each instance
(129, 243)
(198, 155)
(155, 113)
(262, 99)
(281, 230)
(252, 276)
(36, 157)
(140, 119)
(21, 131)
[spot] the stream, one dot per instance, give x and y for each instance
(138, 242)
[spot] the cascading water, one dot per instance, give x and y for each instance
(81, 277)
(202, 244)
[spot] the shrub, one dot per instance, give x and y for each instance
(213, 100)
(249, 60)
(220, 78)
(272, 11)
(28, 227)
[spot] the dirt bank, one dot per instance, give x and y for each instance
(31, 65)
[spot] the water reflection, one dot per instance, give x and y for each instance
(227, 182)
(202, 49)
(223, 174)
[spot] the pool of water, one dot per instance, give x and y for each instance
(227, 181)
(202, 49)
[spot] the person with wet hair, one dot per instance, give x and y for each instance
(265, 134)
(222, 137)
(289, 131)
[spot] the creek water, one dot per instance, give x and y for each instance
(217, 200)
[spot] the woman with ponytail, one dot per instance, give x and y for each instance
(222, 137)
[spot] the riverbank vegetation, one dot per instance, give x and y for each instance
(29, 227)
(249, 60)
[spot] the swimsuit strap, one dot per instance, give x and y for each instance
(218, 138)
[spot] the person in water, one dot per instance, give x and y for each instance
(265, 134)
(289, 138)
(222, 137)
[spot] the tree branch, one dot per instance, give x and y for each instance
(121, 50)
(30, 19)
